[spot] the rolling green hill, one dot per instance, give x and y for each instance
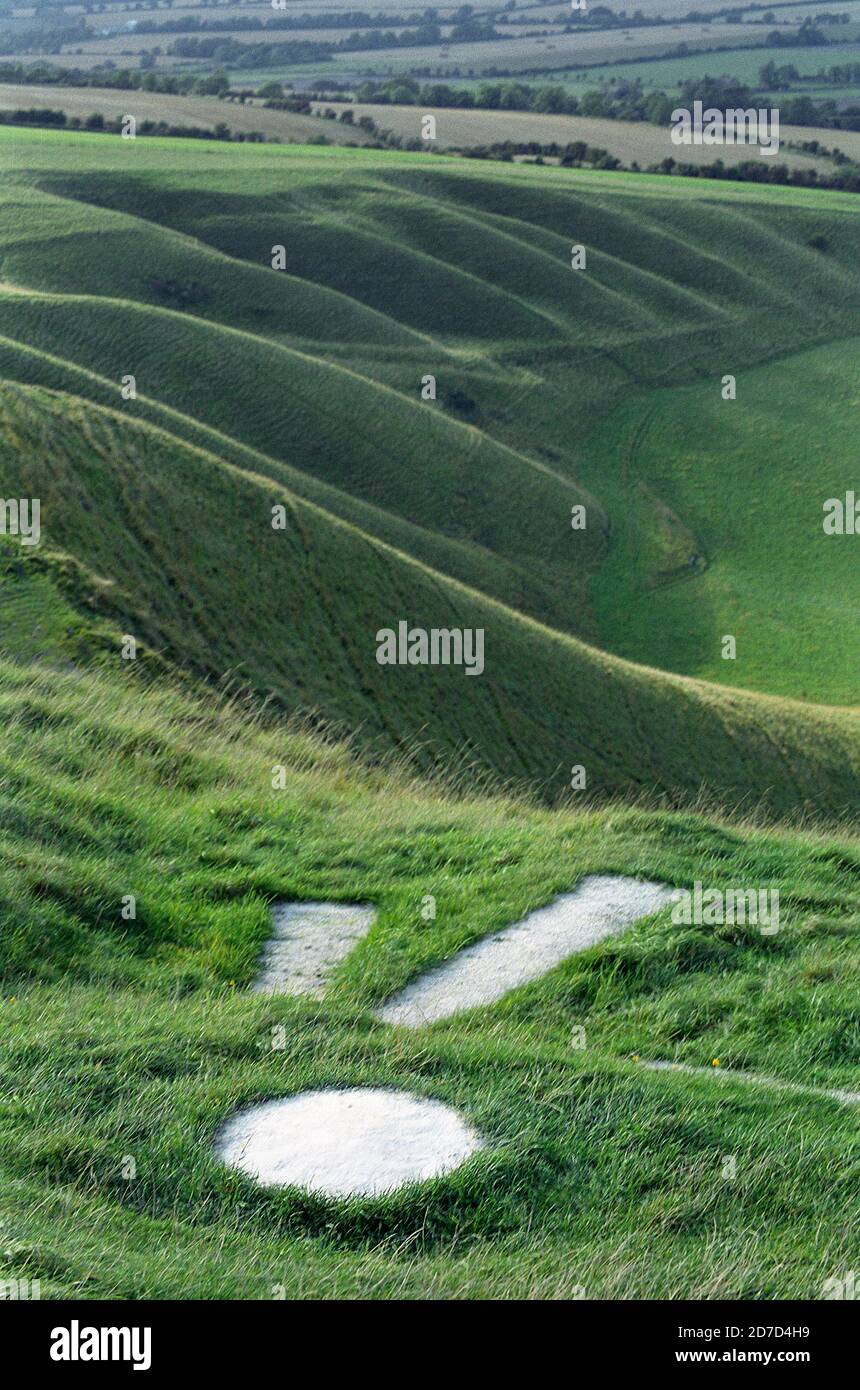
(750, 489)
(555, 388)
(177, 547)
(184, 781)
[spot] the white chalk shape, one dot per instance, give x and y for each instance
(601, 905)
(346, 1143)
(309, 940)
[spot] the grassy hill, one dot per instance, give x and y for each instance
(555, 388)
(177, 547)
(133, 1038)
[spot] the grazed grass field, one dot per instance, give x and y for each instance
(558, 51)
(136, 1039)
(185, 780)
(794, 418)
(667, 74)
(89, 60)
(678, 9)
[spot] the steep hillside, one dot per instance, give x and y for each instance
(157, 797)
(134, 1037)
(177, 547)
(153, 259)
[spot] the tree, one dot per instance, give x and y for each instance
(594, 103)
(212, 85)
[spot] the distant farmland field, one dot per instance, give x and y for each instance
(560, 50)
(743, 63)
(179, 110)
(114, 46)
(652, 9)
(627, 140)
(131, 12)
(87, 61)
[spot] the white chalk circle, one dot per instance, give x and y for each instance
(346, 1143)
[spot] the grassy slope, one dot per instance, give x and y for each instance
(311, 381)
(398, 266)
(183, 555)
(133, 1040)
(773, 574)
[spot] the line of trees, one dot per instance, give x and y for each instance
(44, 74)
(49, 118)
(623, 101)
(773, 75)
(349, 19)
(225, 49)
(577, 154)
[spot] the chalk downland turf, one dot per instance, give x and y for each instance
(346, 1143)
(601, 905)
(309, 940)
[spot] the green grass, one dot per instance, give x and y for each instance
(668, 74)
(134, 1039)
(281, 609)
(304, 387)
(772, 571)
